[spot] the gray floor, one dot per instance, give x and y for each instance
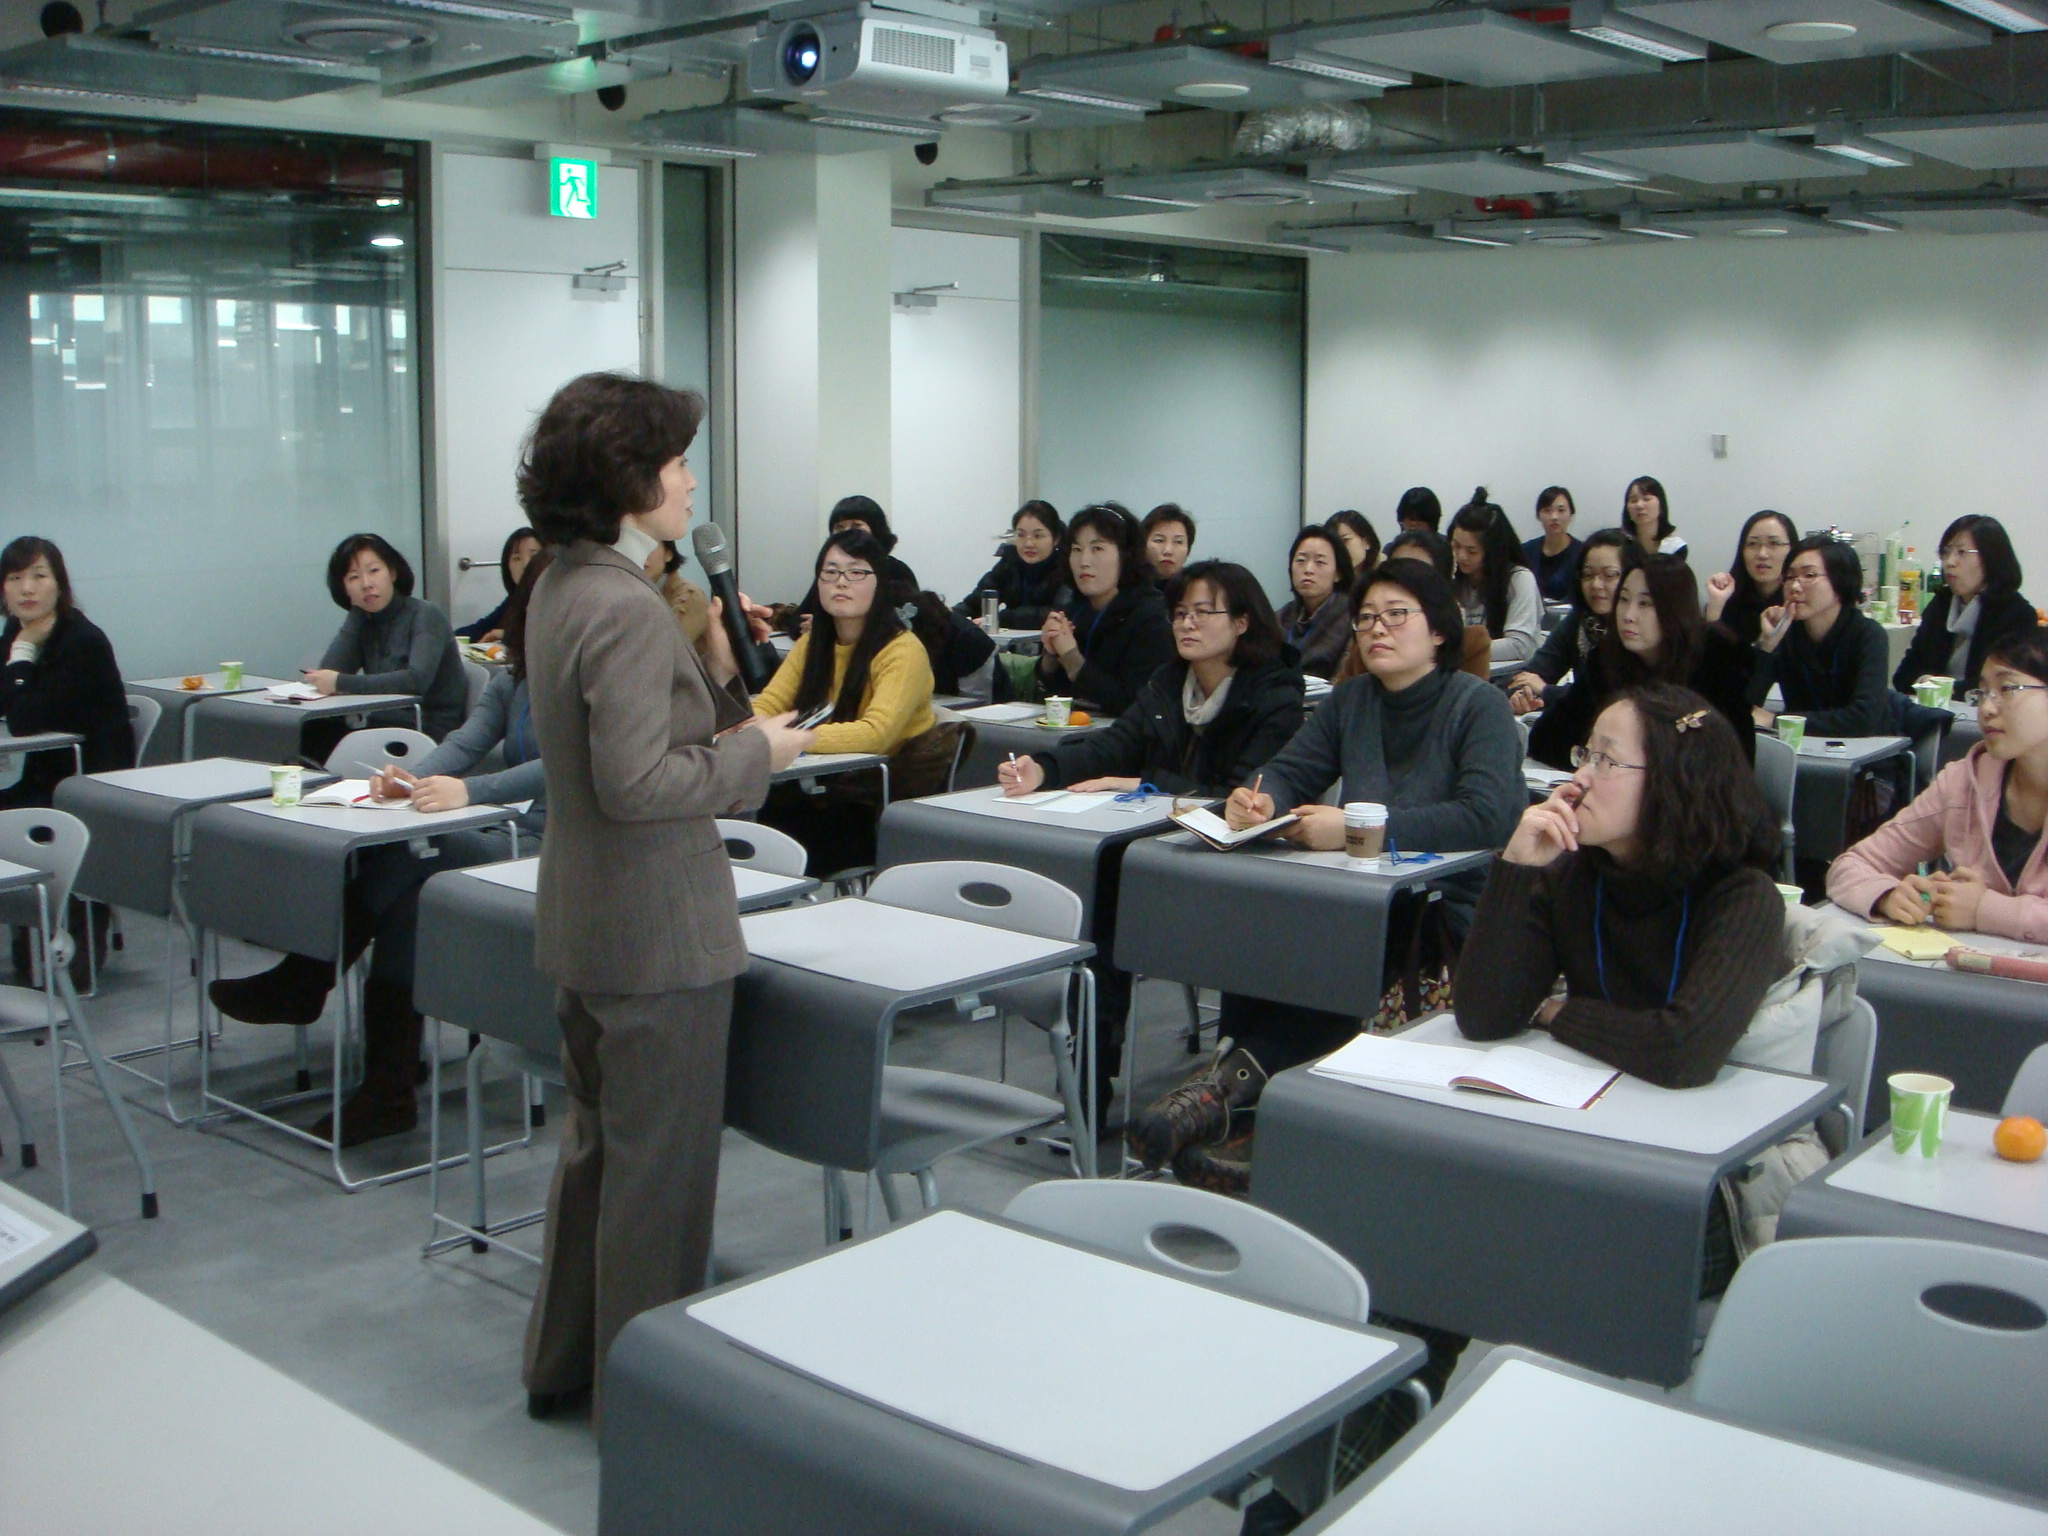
(257, 1245)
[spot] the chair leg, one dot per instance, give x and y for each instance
(927, 1189)
(1194, 1036)
(473, 1118)
(22, 1131)
(1060, 1040)
(115, 1102)
(889, 1201)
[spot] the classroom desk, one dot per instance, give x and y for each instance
(12, 746)
(1237, 921)
(265, 730)
(1532, 1446)
(275, 876)
(37, 1244)
(1003, 733)
(813, 1014)
(1823, 779)
(809, 767)
(1578, 1232)
(983, 824)
(886, 1388)
(172, 742)
(1965, 1193)
(101, 1388)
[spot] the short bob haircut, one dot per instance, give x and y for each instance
(1652, 486)
(863, 509)
(1702, 814)
(1433, 595)
(1341, 555)
(1418, 504)
(597, 452)
(1113, 523)
(512, 542)
(1431, 548)
(884, 623)
(1336, 522)
(1044, 513)
(2025, 652)
(1839, 559)
(25, 551)
(1745, 584)
(1551, 493)
(1239, 589)
(1167, 512)
(345, 554)
(2002, 575)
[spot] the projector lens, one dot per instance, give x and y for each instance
(801, 54)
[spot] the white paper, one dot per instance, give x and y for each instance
(1206, 823)
(347, 792)
(291, 691)
(18, 1234)
(1372, 1059)
(1001, 714)
(1071, 804)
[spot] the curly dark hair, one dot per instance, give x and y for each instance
(1702, 814)
(1114, 524)
(516, 606)
(596, 454)
(1242, 595)
(345, 554)
(884, 623)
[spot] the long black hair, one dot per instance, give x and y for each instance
(1650, 485)
(1702, 813)
(1681, 624)
(512, 542)
(1243, 598)
(2002, 575)
(883, 624)
(1358, 523)
(1501, 550)
(1746, 589)
(516, 609)
(25, 551)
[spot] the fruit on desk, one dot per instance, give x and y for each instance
(1080, 717)
(192, 684)
(2020, 1139)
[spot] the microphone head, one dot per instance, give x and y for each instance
(709, 541)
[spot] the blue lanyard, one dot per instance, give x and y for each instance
(1600, 943)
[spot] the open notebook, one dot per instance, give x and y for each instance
(1513, 1070)
(1218, 833)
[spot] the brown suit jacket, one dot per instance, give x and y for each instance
(636, 894)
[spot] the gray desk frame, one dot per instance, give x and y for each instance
(1973, 1030)
(702, 1435)
(177, 701)
(1582, 1246)
(995, 740)
(272, 877)
(44, 741)
(263, 730)
(1822, 782)
(1816, 1208)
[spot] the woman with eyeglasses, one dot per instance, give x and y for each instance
(1977, 827)
(1109, 640)
(1435, 745)
(1739, 595)
(1207, 720)
(1979, 608)
(1566, 647)
(1823, 651)
(1028, 580)
(1316, 621)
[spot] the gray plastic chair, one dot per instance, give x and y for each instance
(143, 714)
(2028, 1094)
(1935, 1353)
(1777, 774)
(476, 677)
(55, 842)
(927, 1115)
(362, 753)
(1845, 1055)
(750, 845)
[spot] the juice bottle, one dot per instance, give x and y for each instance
(1909, 585)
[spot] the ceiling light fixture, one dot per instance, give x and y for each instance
(94, 93)
(473, 11)
(1565, 158)
(1592, 19)
(235, 53)
(1147, 197)
(1634, 222)
(1446, 230)
(1074, 96)
(389, 202)
(1849, 216)
(1286, 55)
(2013, 15)
(1357, 181)
(1810, 31)
(1761, 232)
(1836, 140)
(693, 147)
(386, 242)
(1212, 90)
(878, 125)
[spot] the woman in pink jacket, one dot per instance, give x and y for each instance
(1981, 816)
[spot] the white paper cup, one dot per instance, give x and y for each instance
(287, 784)
(1365, 829)
(1919, 1111)
(1058, 711)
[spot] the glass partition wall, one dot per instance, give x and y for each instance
(209, 374)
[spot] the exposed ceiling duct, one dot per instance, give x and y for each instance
(1327, 128)
(82, 66)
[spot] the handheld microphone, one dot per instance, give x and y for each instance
(712, 553)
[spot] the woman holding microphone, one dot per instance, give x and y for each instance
(636, 920)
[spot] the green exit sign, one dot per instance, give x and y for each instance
(572, 188)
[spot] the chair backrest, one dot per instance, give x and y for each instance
(2028, 1094)
(53, 841)
(1845, 1053)
(143, 714)
(752, 846)
(362, 753)
(1777, 774)
(1275, 1260)
(962, 746)
(476, 677)
(998, 896)
(1931, 1352)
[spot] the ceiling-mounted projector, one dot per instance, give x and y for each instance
(894, 63)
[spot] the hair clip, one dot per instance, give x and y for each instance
(1689, 722)
(907, 613)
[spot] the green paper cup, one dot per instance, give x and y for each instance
(1919, 1111)
(1792, 730)
(1793, 894)
(287, 783)
(231, 674)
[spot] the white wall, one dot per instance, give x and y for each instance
(511, 330)
(1861, 382)
(954, 383)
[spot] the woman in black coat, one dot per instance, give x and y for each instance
(60, 674)
(1106, 644)
(1981, 608)
(1028, 580)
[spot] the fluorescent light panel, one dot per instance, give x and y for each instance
(1855, 146)
(1592, 19)
(1849, 216)
(1634, 223)
(876, 125)
(478, 12)
(1446, 230)
(94, 92)
(1565, 158)
(1287, 54)
(722, 151)
(1080, 98)
(1348, 182)
(2013, 15)
(240, 55)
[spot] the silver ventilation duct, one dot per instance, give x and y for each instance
(1325, 128)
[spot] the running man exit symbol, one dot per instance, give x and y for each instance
(572, 188)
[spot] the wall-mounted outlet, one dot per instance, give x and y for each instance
(1719, 444)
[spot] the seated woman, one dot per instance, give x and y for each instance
(391, 641)
(1495, 588)
(381, 904)
(1739, 595)
(1316, 623)
(956, 647)
(1977, 826)
(1980, 608)
(1441, 750)
(1360, 541)
(1418, 508)
(1206, 721)
(1168, 533)
(1426, 545)
(1580, 632)
(1554, 554)
(865, 514)
(521, 545)
(1822, 650)
(1109, 640)
(1658, 636)
(1028, 580)
(1646, 515)
(876, 676)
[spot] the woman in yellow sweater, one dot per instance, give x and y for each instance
(878, 679)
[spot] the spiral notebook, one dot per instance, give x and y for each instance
(1512, 1070)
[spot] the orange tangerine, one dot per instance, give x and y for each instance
(1080, 717)
(2020, 1139)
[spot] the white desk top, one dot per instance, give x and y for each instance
(922, 1321)
(1102, 814)
(893, 947)
(31, 1234)
(817, 764)
(333, 704)
(513, 874)
(36, 741)
(1537, 1452)
(751, 886)
(381, 822)
(251, 683)
(96, 1384)
(1965, 1178)
(1707, 1121)
(1856, 750)
(14, 876)
(1988, 943)
(1287, 853)
(207, 778)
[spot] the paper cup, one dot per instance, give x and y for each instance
(1793, 894)
(1792, 730)
(1058, 711)
(287, 783)
(1365, 829)
(231, 674)
(1919, 1111)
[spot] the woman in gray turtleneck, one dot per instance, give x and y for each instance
(391, 641)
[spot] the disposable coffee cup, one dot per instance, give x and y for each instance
(287, 784)
(1793, 894)
(1365, 829)
(1919, 1111)
(231, 674)
(1935, 692)
(1792, 730)
(1058, 711)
